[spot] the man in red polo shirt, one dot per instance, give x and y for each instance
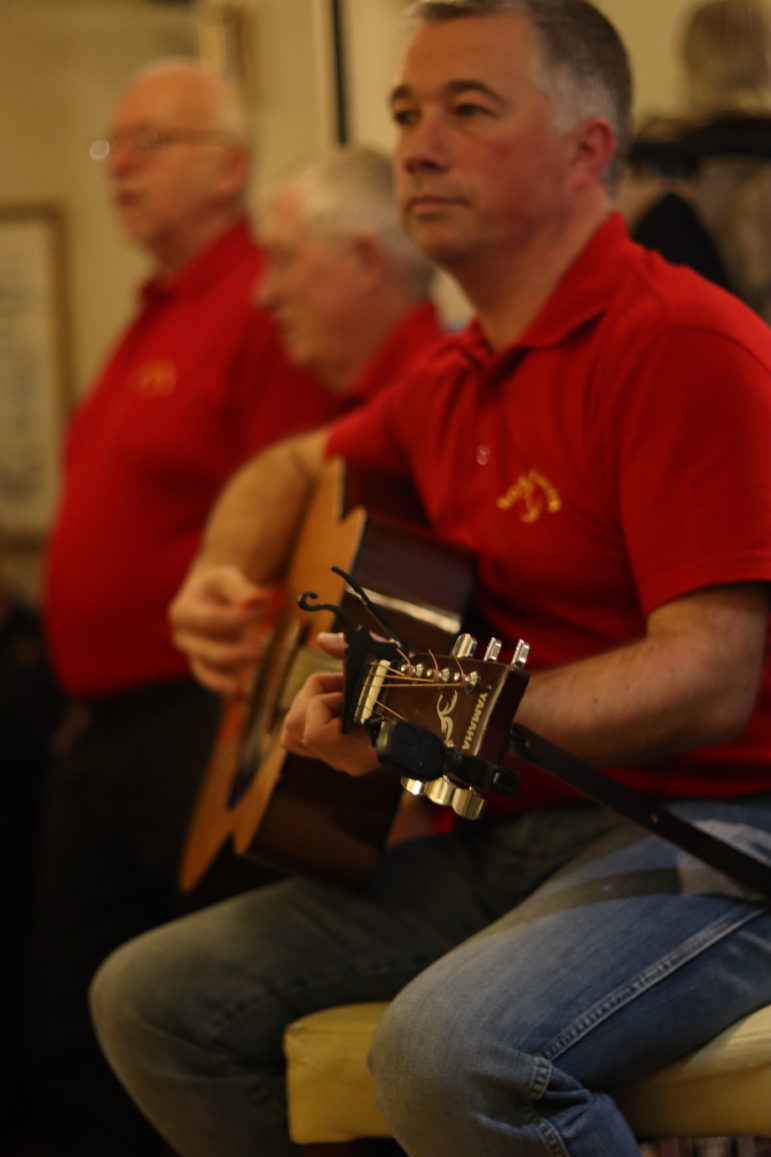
(197, 383)
(600, 437)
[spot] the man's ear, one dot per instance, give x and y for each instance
(234, 170)
(593, 149)
(369, 256)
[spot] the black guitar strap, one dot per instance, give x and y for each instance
(728, 859)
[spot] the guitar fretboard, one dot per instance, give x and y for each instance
(307, 661)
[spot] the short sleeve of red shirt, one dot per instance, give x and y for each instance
(381, 433)
(688, 440)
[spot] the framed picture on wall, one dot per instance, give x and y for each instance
(34, 372)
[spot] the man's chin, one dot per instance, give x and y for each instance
(434, 237)
(132, 230)
(443, 250)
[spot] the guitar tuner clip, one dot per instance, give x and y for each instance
(442, 774)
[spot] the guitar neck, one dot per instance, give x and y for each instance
(306, 661)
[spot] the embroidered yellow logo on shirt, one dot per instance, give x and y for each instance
(532, 494)
(155, 379)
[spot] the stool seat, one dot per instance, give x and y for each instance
(722, 1089)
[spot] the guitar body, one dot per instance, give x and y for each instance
(299, 815)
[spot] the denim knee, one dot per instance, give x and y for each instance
(116, 997)
(448, 1083)
(432, 1051)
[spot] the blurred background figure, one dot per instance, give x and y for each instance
(726, 52)
(197, 382)
(725, 49)
(348, 289)
(700, 191)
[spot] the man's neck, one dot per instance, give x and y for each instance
(172, 253)
(365, 337)
(507, 290)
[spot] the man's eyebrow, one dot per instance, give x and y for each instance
(453, 88)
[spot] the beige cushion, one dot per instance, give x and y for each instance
(722, 1089)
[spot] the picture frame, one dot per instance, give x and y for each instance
(35, 390)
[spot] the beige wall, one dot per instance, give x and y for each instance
(651, 32)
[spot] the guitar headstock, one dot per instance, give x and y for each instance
(462, 706)
(467, 703)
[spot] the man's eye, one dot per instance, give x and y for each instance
(467, 109)
(150, 139)
(404, 116)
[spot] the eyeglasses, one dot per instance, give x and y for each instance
(151, 140)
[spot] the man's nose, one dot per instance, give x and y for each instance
(123, 156)
(426, 145)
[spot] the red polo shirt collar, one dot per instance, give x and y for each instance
(582, 294)
(195, 278)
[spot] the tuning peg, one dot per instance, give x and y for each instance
(521, 652)
(464, 647)
(493, 650)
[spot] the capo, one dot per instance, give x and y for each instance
(363, 597)
(363, 649)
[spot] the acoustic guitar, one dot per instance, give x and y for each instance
(299, 815)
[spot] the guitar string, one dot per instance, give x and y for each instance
(391, 711)
(405, 657)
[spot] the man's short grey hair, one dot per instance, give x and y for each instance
(225, 99)
(350, 190)
(583, 66)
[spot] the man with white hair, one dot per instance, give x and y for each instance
(600, 437)
(197, 383)
(347, 288)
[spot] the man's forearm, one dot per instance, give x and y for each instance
(690, 682)
(253, 523)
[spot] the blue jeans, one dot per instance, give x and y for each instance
(538, 963)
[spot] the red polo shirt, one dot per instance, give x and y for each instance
(410, 344)
(613, 458)
(196, 384)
